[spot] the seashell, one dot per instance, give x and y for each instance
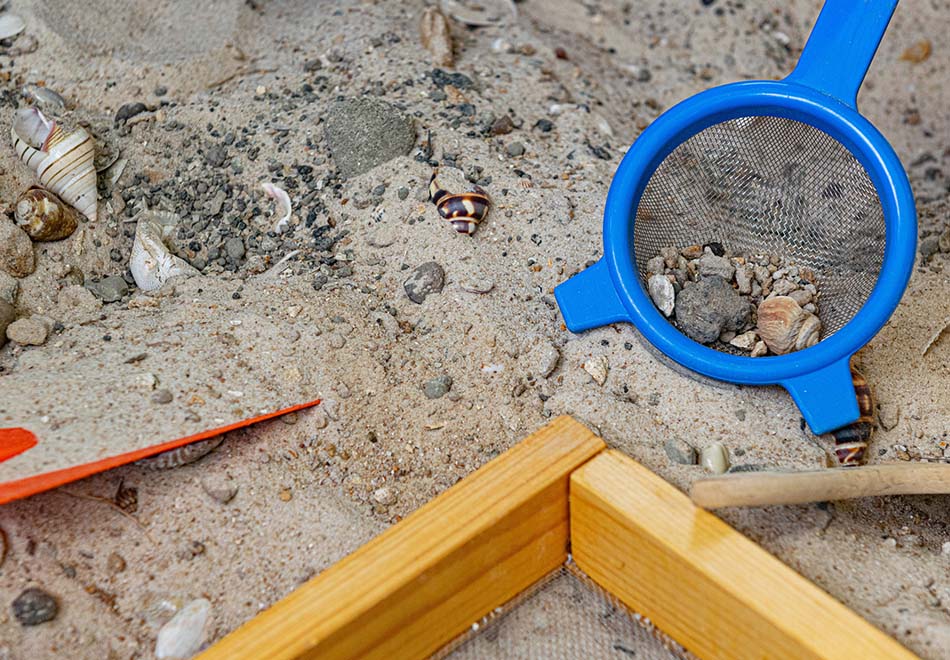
(786, 327)
(44, 98)
(151, 263)
(436, 36)
(44, 216)
(182, 637)
(851, 441)
(63, 161)
(181, 455)
(283, 205)
(463, 210)
(597, 367)
(481, 14)
(714, 458)
(662, 293)
(10, 26)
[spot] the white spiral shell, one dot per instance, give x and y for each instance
(63, 161)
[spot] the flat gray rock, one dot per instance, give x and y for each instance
(363, 133)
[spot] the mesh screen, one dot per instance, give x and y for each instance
(563, 617)
(768, 185)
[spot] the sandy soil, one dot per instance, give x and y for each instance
(308, 486)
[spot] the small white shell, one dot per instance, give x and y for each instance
(283, 205)
(183, 636)
(151, 262)
(11, 25)
(63, 161)
(714, 458)
(597, 367)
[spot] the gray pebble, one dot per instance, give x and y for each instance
(384, 496)
(705, 308)
(34, 606)
(425, 280)
(744, 279)
(515, 149)
(29, 332)
(402, 193)
(929, 246)
(710, 264)
(542, 359)
(656, 265)
(235, 248)
(16, 250)
(129, 110)
(219, 487)
(889, 414)
(680, 451)
(162, 397)
(111, 289)
(216, 155)
(365, 132)
(438, 386)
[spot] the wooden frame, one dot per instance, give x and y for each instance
(425, 580)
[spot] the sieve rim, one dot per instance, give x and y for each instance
(787, 100)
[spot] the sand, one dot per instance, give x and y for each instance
(306, 489)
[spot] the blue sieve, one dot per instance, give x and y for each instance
(768, 167)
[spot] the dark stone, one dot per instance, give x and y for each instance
(425, 280)
(34, 606)
(235, 248)
(502, 126)
(129, 110)
(716, 248)
(460, 81)
(216, 155)
(705, 308)
(365, 132)
(312, 65)
(544, 125)
(112, 289)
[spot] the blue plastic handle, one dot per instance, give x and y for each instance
(841, 47)
(826, 397)
(589, 299)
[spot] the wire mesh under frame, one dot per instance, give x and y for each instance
(764, 185)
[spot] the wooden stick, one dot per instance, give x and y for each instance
(767, 488)
(424, 581)
(703, 583)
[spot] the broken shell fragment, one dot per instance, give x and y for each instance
(436, 36)
(183, 636)
(151, 262)
(62, 160)
(786, 327)
(44, 216)
(283, 205)
(10, 26)
(597, 367)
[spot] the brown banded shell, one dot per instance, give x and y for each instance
(464, 211)
(44, 216)
(851, 441)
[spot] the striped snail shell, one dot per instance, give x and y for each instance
(62, 160)
(44, 216)
(851, 441)
(463, 210)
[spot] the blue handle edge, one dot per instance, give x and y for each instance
(589, 299)
(826, 397)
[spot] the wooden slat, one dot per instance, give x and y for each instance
(425, 580)
(768, 488)
(706, 585)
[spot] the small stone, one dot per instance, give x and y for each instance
(111, 289)
(402, 193)
(384, 496)
(438, 387)
(365, 132)
(29, 332)
(477, 285)
(425, 280)
(744, 279)
(671, 256)
(929, 246)
(502, 126)
(945, 549)
(692, 251)
(656, 265)
(234, 246)
(598, 368)
(7, 316)
(710, 264)
(181, 637)
(129, 110)
(888, 414)
(760, 349)
(714, 458)
(783, 287)
(216, 155)
(312, 65)
(944, 242)
(220, 488)
(16, 250)
(716, 248)
(162, 397)
(515, 149)
(9, 287)
(285, 495)
(705, 308)
(34, 606)
(542, 359)
(436, 36)
(662, 293)
(801, 296)
(746, 341)
(115, 563)
(680, 451)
